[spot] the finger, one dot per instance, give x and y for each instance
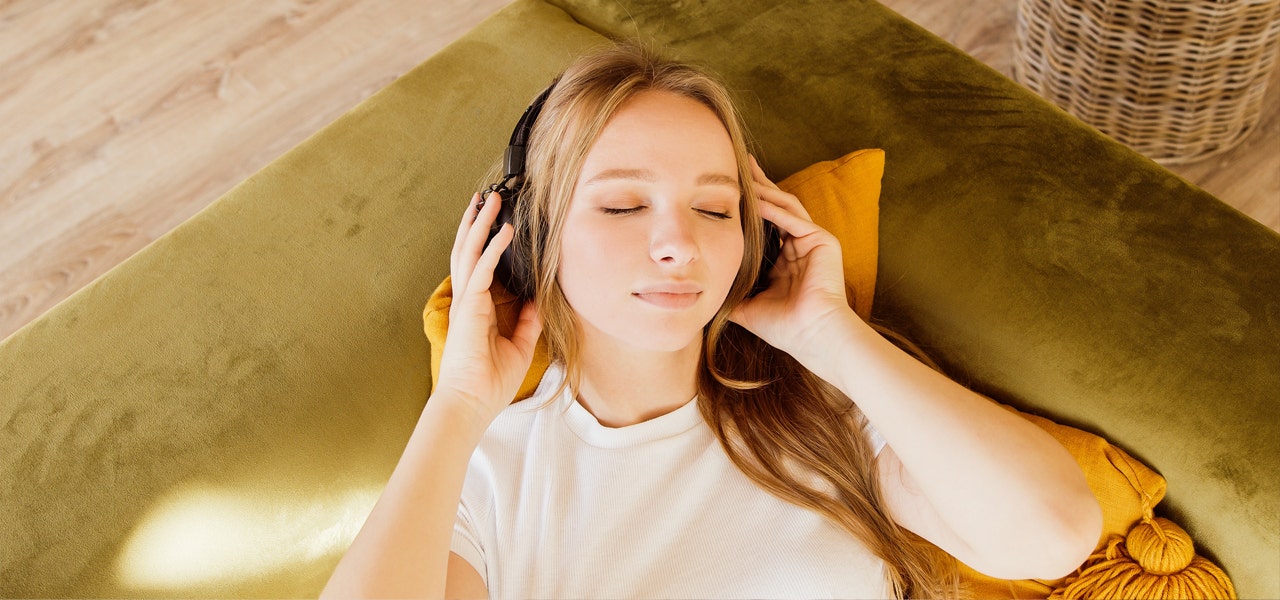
(468, 216)
(528, 328)
(757, 173)
(781, 198)
(788, 223)
(480, 278)
(477, 235)
(769, 191)
(482, 275)
(789, 252)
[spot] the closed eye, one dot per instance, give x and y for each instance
(627, 211)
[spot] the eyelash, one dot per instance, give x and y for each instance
(626, 211)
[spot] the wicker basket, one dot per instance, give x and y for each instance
(1176, 80)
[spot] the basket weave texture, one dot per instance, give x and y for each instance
(1176, 80)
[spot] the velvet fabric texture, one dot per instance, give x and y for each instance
(215, 416)
(842, 196)
(1041, 262)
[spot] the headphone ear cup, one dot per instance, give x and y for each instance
(514, 268)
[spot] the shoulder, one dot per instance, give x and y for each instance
(508, 435)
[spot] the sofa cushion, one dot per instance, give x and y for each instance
(1042, 263)
(842, 195)
(265, 358)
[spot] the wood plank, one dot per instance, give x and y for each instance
(123, 119)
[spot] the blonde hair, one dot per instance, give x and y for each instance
(795, 435)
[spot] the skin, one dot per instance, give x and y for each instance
(983, 484)
(674, 231)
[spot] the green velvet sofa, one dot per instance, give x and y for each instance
(215, 416)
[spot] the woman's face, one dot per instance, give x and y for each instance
(653, 238)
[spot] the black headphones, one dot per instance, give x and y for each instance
(514, 269)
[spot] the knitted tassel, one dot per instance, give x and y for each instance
(1156, 560)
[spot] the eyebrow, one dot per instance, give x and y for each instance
(647, 175)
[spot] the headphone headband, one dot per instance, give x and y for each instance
(513, 158)
(514, 269)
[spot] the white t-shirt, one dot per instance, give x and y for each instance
(556, 505)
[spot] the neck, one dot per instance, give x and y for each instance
(624, 385)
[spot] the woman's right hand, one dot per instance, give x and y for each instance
(479, 368)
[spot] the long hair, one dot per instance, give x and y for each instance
(795, 435)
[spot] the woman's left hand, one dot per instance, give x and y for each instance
(806, 293)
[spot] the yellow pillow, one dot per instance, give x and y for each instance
(841, 195)
(435, 319)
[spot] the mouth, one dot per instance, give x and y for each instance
(669, 301)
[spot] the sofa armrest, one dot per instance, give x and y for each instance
(249, 380)
(1041, 262)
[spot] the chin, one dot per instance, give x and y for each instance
(644, 330)
(656, 342)
(667, 336)
(660, 335)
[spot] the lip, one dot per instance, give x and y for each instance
(673, 287)
(669, 300)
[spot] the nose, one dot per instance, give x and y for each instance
(672, 241)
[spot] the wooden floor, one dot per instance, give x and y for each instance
(123, 118)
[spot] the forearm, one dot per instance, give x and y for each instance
(402, 550)
(998, 481)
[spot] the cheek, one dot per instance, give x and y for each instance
(588, 260)
(730, 260)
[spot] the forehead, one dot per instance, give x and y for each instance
(657, 135)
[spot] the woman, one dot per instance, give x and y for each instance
(690, 439)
